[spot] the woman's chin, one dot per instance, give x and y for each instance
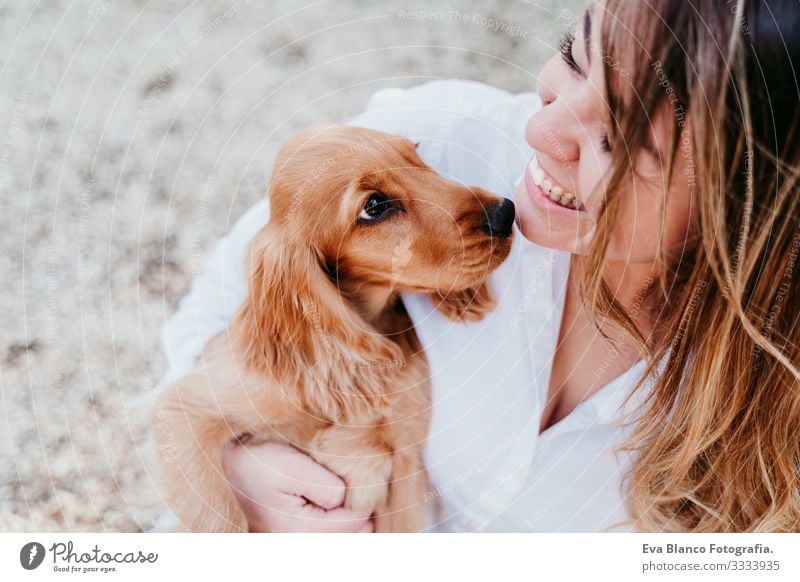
(547, 229)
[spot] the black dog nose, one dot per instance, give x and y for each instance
(499, 219)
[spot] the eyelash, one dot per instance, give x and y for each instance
(565, 47)
(605, 144)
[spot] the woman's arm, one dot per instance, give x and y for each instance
(216, 294)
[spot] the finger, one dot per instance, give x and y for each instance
(368, 528)
(314, 482)
(336, 520)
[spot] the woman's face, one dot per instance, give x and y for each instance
(572, 156)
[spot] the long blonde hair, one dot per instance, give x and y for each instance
(718, 441)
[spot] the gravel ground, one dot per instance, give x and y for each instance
(132, 134)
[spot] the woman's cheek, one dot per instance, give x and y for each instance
(638, 227)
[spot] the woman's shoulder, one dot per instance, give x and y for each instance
(469, 131)
(441, 101)
(453, 94)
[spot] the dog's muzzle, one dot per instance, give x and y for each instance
(499, 219)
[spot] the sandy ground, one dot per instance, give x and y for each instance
(132, 134)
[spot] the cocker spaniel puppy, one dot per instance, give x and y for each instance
(322, 354)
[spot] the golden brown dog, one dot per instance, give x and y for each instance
(322, 354)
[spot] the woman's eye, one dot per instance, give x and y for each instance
(376, 206)
(605, 144)
(565, 46)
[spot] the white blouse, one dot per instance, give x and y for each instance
(490, 468)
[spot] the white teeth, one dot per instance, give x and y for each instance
(553, 191)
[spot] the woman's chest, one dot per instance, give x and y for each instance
(584, 362)
(570, 482)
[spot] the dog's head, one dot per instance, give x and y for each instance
(379, 219)
(357, 217)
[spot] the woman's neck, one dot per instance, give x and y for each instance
(629, 283)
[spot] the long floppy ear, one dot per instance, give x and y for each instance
(468, 305)
(299, 330)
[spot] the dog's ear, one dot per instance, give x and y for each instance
(299, 330)
(468, 305)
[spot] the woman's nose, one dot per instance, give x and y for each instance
(551, 129)
(546, 92)
(549, 132)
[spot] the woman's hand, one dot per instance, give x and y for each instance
(281, 489)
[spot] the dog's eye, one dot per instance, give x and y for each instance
(378, 204)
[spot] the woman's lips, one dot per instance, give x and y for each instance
(543, 189)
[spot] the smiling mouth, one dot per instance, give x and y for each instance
(552, 190)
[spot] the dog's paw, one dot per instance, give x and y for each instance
(361, 458)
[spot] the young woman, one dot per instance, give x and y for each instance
(641, 369)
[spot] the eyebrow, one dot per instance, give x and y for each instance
(587, 34)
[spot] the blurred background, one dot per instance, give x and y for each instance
(132, 135)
